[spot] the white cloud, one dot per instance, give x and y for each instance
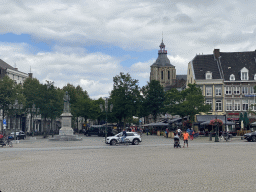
(130, 24)
(94, 71)
(189, 27)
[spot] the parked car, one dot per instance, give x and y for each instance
(250, 136)
(19, 135)
(98, 130)
(134, 138)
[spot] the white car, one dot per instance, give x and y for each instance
(133, 138)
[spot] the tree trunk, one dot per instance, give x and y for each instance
(182, 122)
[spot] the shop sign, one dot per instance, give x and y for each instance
(232, 119)
(233, 113)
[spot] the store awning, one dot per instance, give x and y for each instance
(253, 124)
(156, 124)
(227, 123)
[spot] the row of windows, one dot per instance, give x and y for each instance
(236, 105)
(208, 91)
(218, 104)
(228, 91)
(162, 75)
(243, 72)
(239, 90)
(19, 78)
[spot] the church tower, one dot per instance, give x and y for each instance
(162, 70)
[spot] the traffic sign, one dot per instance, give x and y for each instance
(4, 122)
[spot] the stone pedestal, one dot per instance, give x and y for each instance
(66, 132)
(66, 124)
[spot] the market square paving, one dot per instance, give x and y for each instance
(154, 165)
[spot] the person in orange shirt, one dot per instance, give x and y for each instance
(185, 138)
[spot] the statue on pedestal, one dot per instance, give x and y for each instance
(66, 99)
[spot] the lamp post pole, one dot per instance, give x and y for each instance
(32, 111)
(106, 110)
(217, 131)
(16, 107)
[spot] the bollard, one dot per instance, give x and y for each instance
(210, 137)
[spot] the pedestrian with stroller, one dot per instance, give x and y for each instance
(185, 138)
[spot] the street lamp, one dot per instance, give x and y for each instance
(217, 131)
(16, 107)
(106, 110)
(33, 111)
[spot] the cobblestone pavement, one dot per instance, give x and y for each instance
(154, 165)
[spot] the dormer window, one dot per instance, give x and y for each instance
(244, 74)
(232, 77)
(208, 75)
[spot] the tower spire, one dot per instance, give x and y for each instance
(162, 45)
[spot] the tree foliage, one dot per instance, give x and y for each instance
(8, 90)
(124, 97)
(154, 98)
(188, 102)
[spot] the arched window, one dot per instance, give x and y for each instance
(244, 74)
(162, 75)
(232, 77)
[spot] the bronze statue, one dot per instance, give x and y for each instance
(66, 99)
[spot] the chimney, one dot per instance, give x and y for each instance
(216, 53)
(30, 75)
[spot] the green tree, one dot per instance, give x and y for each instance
(174, 103)
(51, 102)
(78, 101)
(7, 93)
(188, 102)
(124, 97)
(32, 92)
(154, 98)
(195, 102)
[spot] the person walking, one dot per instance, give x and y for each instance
(166, 132)
(179, 132)
(192, 134)
(185, 138)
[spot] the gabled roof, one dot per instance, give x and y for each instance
(204, 63)
(230, 63)
(179, 77)
(5, 65)
(233, 62)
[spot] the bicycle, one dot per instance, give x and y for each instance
(225, 136)
(6, 142)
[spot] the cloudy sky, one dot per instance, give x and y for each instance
(88, 42)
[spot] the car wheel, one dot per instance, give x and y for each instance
(253, 138)
(135, 142)
(113, 142)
